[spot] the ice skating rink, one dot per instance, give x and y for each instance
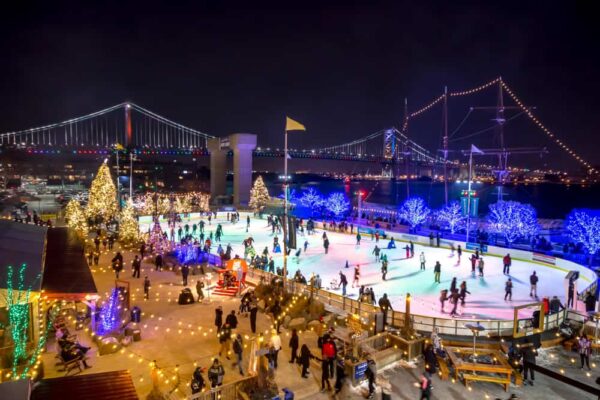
(486, 300)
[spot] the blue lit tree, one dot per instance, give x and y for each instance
(452, 215)
(312, 200)
(584, 227)
(513, 220)
(337, 204)
(414, 211)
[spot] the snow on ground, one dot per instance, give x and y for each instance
(486, 300)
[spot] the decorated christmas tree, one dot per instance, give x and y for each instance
(128, 226)
(156, 239)
(76, 218)
(103, 196)
(259, 195)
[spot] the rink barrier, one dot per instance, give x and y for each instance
(421, 323)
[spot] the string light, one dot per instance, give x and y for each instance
(551, 135)
(474, 90)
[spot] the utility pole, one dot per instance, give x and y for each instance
(502, 156)
(406, 149)
(445, 144)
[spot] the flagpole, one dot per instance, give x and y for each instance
(285, 205)
(469, 193)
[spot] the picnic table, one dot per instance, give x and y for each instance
(499, 372)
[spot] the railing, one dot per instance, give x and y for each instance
(421, 323)
(229, 391)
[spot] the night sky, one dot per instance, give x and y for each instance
(343, 69)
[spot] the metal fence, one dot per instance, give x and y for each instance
(230, 391)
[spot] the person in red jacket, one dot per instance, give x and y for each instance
(507, 261)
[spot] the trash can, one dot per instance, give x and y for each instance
(136, 314)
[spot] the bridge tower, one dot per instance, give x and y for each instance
(389, 152)
(242, 145)
(128, 131)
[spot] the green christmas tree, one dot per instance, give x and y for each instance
(103, 196)
(75, 218)
(259, 195)
(128, 226)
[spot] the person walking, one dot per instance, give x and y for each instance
(585, 348)
(275, 343)
(425, 385)
(146, 287)
(371, 373)
(136, 264)
(238, 350)
(356, 279)
(158, 262)
(294, 343)
(216, 374)
(508, 290)
(507, 261)
(340, 376)
(305, 356)
(481, 265)
(253, 312)
(224, 339)
(329, 353)
(437, 269)
(533, 280)
(117, 263)
(185, 271)
(570, 295)
(422, 260)
(199, 291)
(385, 305)
(325, 375)
(142, 250)
(529, 353)
(231, 320)
(218, 318)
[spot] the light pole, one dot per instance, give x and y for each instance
(469, 194)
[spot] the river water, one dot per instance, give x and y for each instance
(552, 200)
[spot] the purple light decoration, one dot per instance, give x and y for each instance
(109, 316)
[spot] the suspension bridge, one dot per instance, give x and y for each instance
(131, 128)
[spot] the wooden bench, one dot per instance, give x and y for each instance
(486, 378)
(444, 371)
(68, 366)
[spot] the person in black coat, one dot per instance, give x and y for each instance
(305, 356)
(218, 317)
(430, 359)
(340, 376)
(294, 343)
(231, 320)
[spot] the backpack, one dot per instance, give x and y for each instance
(328, 350)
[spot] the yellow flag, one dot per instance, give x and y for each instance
(291, 125)
(119, 147)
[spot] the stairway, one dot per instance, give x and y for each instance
(219, 290)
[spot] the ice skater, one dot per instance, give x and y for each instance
(407, 248)
(422, 260)
(343, 283)
(454, 297)
(481, 265)
(358, 237)
(459, 254)
(437, 269)
(508, 290)
(384, 270)
(452, 249)
(507, 261)
(533, 280)
(463, 292)
(473, 264)
(376, 251)
(305, 245)
(412, 249)
(356, 279)
(443, 297)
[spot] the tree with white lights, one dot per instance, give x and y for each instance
(513, 220)
(337, 204)
(312, 200)
(414, 211)
(584, 227)
(259, 195)
(452, 215)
